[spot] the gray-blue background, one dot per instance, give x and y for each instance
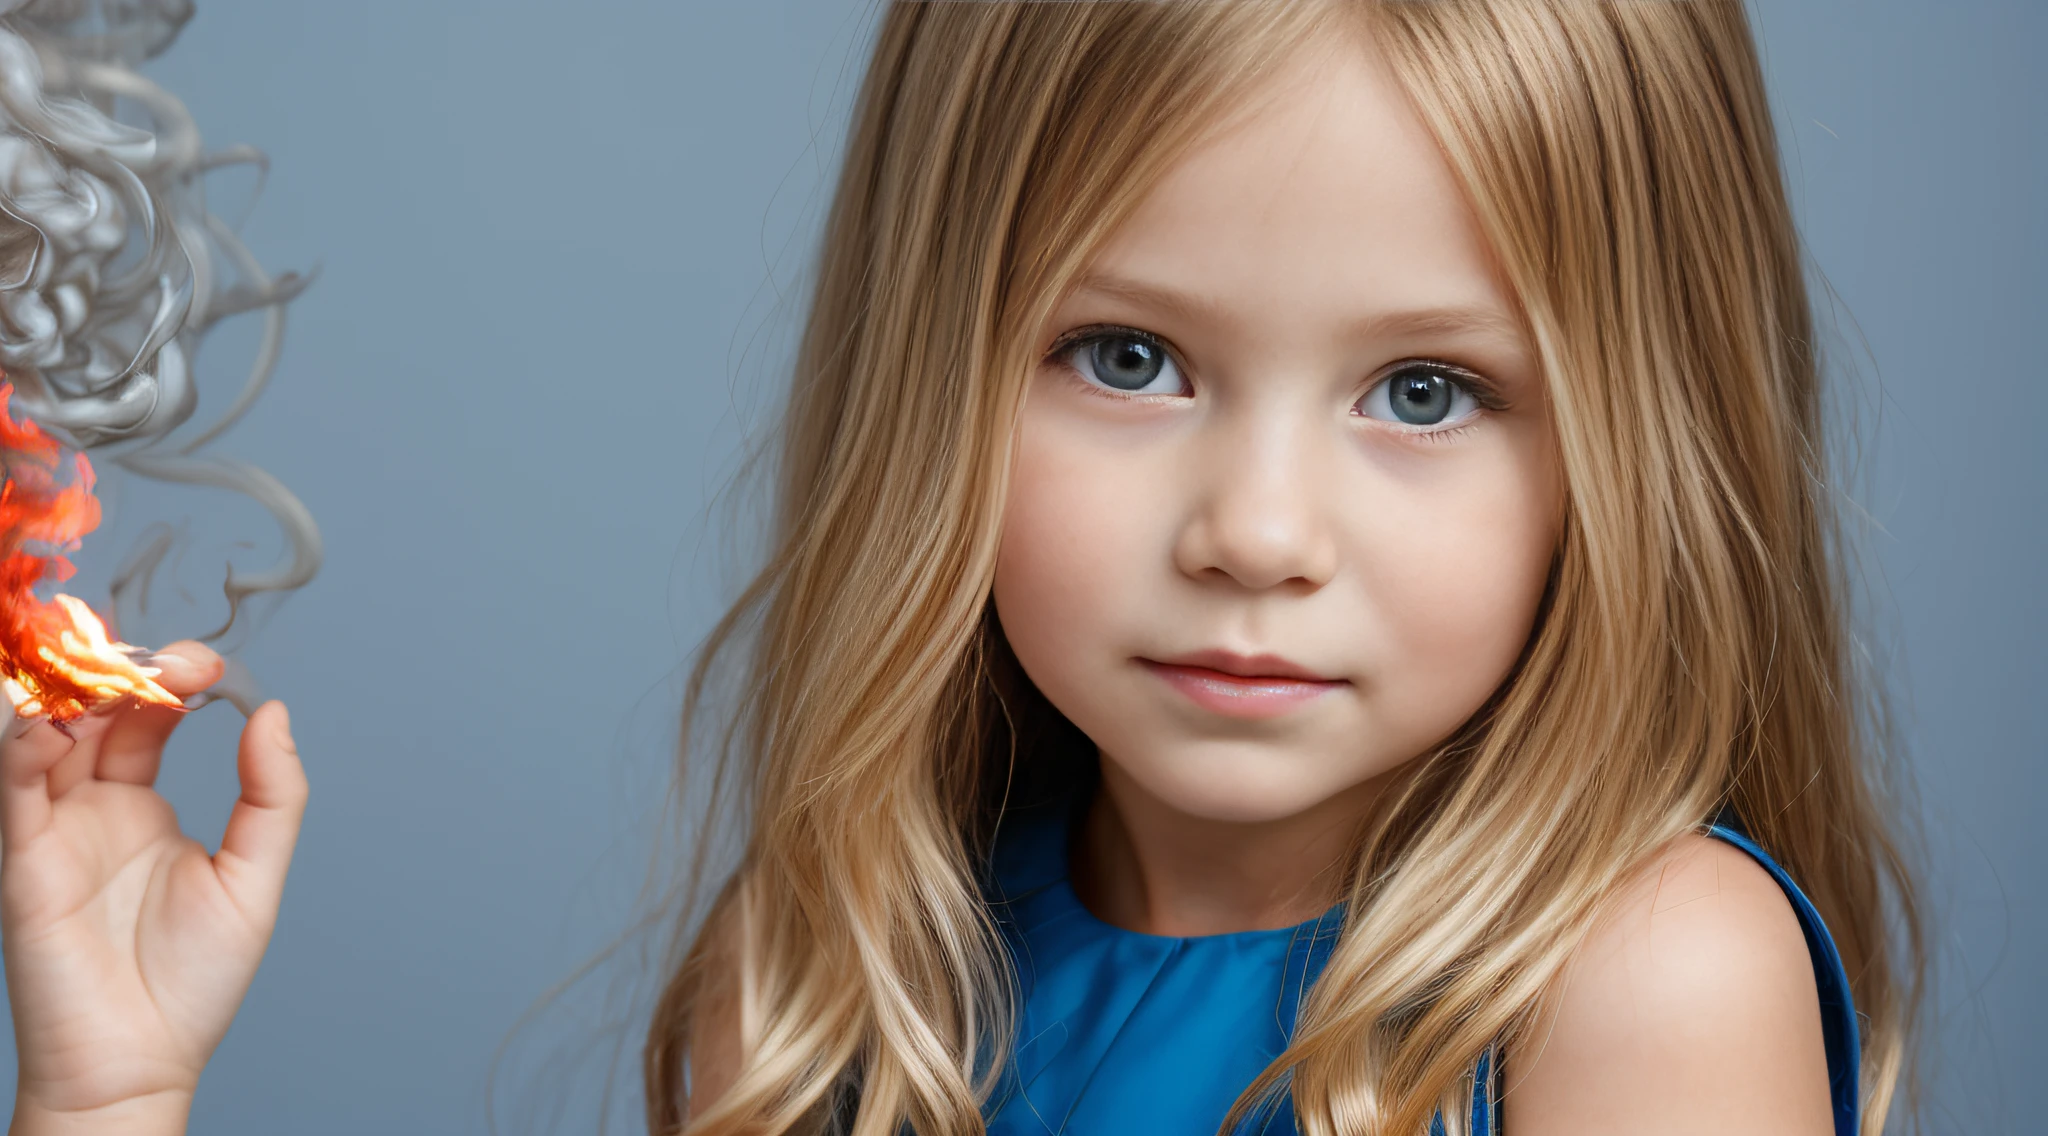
(552, 240)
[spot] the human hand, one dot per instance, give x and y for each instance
(127, 947)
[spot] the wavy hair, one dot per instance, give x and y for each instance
(1692, 658)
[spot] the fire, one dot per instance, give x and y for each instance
(55, 657)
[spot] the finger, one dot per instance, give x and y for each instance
(40, 761)
(80, 755)
(256, 850)
(30, 750)
(187, 667)
(133, 748)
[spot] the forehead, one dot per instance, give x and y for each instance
(1325, 198)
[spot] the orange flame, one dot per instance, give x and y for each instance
(55, 657)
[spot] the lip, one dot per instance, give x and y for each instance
(1242, 686)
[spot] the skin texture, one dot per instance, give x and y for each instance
(128, 946)
(1262, 511)
(1287, 266)
(1691, 1009)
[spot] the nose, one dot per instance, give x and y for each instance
(1261, 517)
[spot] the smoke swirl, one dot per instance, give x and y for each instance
(113, 270)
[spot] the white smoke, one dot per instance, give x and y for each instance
(112, 269)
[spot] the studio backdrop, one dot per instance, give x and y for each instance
(560, 252)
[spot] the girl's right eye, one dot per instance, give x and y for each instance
(1126, 361)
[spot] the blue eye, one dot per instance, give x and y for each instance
(1127, 361)
(1422, 396)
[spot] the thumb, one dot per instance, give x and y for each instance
(257, 847)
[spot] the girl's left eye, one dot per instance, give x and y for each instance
(1129, 362)
(1423, 397)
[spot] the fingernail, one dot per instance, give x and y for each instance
(163, 656)
(284, 728)
(163, 660)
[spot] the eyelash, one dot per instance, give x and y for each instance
(1480, 389)
(1444, 434)
(1066, 345)
(1477, 386)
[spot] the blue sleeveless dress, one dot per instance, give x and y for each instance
(1123, 1032)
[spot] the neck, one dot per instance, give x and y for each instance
(1140, 864)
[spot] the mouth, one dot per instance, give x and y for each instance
(1242, 686)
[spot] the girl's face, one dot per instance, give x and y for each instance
(1286, 493)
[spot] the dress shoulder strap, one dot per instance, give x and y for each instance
(1839, 1030)
(1837, 1005)
(1837, 1015)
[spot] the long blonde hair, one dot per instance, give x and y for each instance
(1691, 658)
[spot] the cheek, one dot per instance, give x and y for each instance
(1070, 554)
(1459, 588)
(1443, 564)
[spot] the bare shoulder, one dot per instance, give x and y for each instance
(1690, 1008)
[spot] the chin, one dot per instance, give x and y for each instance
(1234, 787)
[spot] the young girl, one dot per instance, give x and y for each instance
(1301, 599)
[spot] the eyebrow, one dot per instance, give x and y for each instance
(1192, 308)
